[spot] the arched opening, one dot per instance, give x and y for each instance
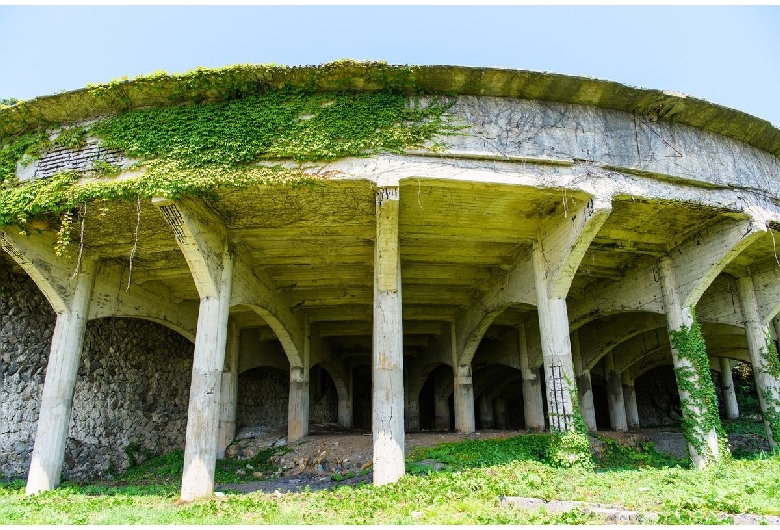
(437, 408)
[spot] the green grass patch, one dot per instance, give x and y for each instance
(466, 491)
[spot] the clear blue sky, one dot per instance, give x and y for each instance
(727, 55)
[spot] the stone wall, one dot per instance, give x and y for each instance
(132, 386)
(657, 398)
(263, 394)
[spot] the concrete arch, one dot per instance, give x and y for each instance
(599, 338)
(173, 326)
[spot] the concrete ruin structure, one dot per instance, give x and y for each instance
(540, 254)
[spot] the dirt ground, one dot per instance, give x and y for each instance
(330, 450)
(332, 456)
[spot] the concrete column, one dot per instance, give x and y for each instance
(345, 413)
(229, 393)
(387, 363)
(298, 404)
(584, 386)
(556, 350)
(727, 387)
(485, 412)
(615, 399)
(441, 403)
(345, 402)
(629, 397)
(441, 407)
(758, 333)
(678, 316)
(499, 408)
(412, 415)
(59, 385)
(200, 450)
(464, 400)
(533, 407)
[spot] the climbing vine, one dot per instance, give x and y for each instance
(571, 448)
(770, 364)
(198, 149)
(700, 407)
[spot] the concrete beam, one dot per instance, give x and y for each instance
(502, 291)
(563, 242)
(699, 260)
(638, 290)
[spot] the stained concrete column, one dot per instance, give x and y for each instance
(762, 357)
(615, 400)
(200, 450)
(298, 404)
(678, 317)
(345, 403)
(533, 407)
(485, 412)
(58, 387)
(556, 350)
(499, 406)
(229, 393)
(412, 415)
(584, 386)
(629, 397)
(345, 413)
(441, 403)
(387, 362)
(464, 400)
(727, 388)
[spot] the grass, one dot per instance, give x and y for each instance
(467, 488)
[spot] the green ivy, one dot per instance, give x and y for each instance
(770, 364)
(700, 408)
(24, 148)
(72, 138)
(198, 149)
(571, 448)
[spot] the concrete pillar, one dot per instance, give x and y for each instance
(727, 388)
(200, 450)
(412, 415)
(441, 407)
(678, 316)
(59, 385)
(584, 386)
(533, 407)
(464, 400)
(345, 413)
(629, 397)
(556, 350)
(298, 404)
(615, 399)
(229, 393)
(485, 412)
(345, 402)
(758, 334)
(499, 408)
(441, 403)
(387, 362)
